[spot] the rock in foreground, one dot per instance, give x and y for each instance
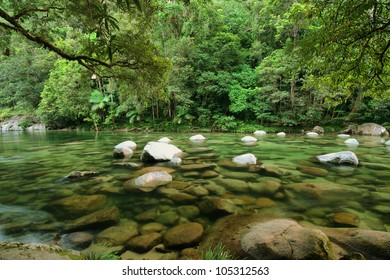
(156, 151)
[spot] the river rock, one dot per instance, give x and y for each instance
(264, 202)
(245, 159)
(247, 139)
(345, 157)
(197, 166)
(387, 143)
(188, 211)
(156, 151)
(35, 251)
(318, 129)
(197, 138)
(351, 142)
(197, 191)
(182, 198)
(102, 218)
(343, 135)
(259, 133)
(324, 191)
(312, 134)
(183, 235)
(372, 244)
(315, 171)
(164, 140)
(153, 169)
(281, 134)
(36, 127)
(208, 174)
(144, 243)
(124, 149)
(176, 161)
(217, 207)
(270, 170)
(346, 219)
(149, 181)
(265, 187)
(367, 129)
(76, 240)
(281, 239)
(80, 174)
(117, 235)
(148, 215)
(151, 227)
(233, 185)
(169, 218)
(77, 205)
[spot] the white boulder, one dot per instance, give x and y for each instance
(248, 139)
(387, 143)
(164, 140)
(351, 142)
(281, 134)
(342, 135)
(259, 133)
(156, 151)
(149, 181)
(344, 157)
(312, 134)
(197, 137)
(124, 149)
(245, 159)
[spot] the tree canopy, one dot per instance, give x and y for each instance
(227, 65)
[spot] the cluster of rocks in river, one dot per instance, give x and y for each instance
(190, 217)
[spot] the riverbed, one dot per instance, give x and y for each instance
(34, 166)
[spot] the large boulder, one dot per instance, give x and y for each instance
(245, 159)
(344, 157)
(312, 134)
(367, 129)
(283, 239)
(156, 151)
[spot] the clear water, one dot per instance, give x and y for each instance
(33, 167)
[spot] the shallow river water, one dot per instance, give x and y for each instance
(33, 167)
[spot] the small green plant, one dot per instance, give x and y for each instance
(218, 252)
(99, 253)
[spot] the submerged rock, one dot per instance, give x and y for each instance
(184, 236)
(77, 205)
(346, 219)
(315, 171)
(80, 174)
(76, 240)
(345, 157)
(144, 243)
(102, 218)
(117, 235)
(156, 151)
(217, 207)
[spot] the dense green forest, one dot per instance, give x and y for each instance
(224, 65)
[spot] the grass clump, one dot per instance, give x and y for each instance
(219, 252)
